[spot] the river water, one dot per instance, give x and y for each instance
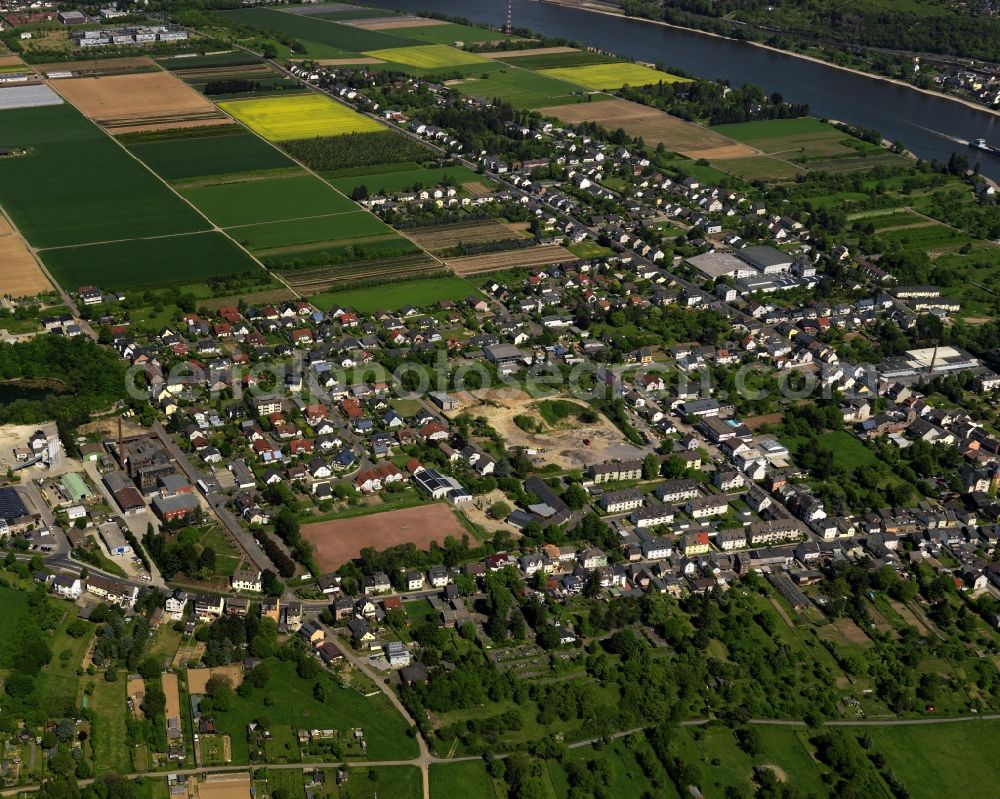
(926, 124)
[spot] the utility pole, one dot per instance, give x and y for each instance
(510, 14)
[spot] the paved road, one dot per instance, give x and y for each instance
(216, 502)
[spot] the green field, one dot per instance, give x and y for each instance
(254, 201)
(611, 76)
(178, 159)
(344, 254)
(554, 60)
(397, 295)
(299, 116)
(522, 89)
(427, 56)
(627, 780)
(77, 186)
(147, 262)
(233, 59)
(335, 227)
(322, 38)
(772, 129)
(760, 167)
(107, 703)
(291, 701)
(452, 780)
(404, 179)
(589, 249)
(58, 682)
(398, 782)
(925, 757)
(450, 33)
(922, 239)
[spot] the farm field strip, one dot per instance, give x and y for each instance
(356, 226)
(111, 194)
(428, 56)
(448, 236)
(154, 99)
(204, 156)
(510, 259)
(602, 77)
(300, 116)
(267, 200)
(655, 127)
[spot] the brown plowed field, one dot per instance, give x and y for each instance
(391, 23)
(505, 54)
(149, 100)
(10, 60)
(654, 126)
(338, 541)
(445, 237)
(510, 259)
(21, 276)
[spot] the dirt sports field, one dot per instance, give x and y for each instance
(497, 261)
(444, 237)
(198, 678)
(21, 276)
(654, 127)
(225, 786)
(145, 101)
(340, 540)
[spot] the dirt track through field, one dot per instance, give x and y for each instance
(338, 541)
(654, 126)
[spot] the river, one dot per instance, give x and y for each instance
(926, 124)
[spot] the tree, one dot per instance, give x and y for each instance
(575, 496)
(319, 692)
(499, 510)
(650, 467)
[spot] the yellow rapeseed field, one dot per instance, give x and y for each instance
(427, 56)
(611, 76)
(300, 116)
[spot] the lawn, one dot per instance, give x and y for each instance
(589, 249)
(925, 757)
(427, 56)
(300, 116)
(333, 227)
(382, 181)
(521, 88)
(452, 780)
(611, 76)
(148, 262)
(77, 186)
(108, 736)
(292, 702)
(398, 782)
(253, 201)
(178, 159)
(394, 296)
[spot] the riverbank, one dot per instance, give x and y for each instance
(592, 9)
